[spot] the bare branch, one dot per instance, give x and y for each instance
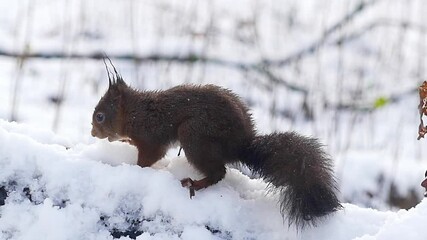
(381, 23)
(312, 48)
(263, 69)
(369, 107)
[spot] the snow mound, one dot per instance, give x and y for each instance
(51, 190)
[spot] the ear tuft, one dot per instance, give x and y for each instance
(110, 81)
(113, 78)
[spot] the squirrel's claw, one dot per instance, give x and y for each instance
(195, 185)
(188, 182)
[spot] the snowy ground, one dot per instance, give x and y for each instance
(373, 150)
(60, 191)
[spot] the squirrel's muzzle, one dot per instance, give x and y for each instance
(93, 132)
(96, 133)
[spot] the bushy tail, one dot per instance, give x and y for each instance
(300, 170)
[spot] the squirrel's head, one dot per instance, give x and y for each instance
(107, 119)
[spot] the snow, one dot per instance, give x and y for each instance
(70, 190)
(91, 191)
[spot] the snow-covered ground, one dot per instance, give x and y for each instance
(94, 191)
(383, 61)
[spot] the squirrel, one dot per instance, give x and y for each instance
(214, 128)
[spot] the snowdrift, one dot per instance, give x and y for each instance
(51, 189)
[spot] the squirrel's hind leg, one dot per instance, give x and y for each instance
(206, 155)
(208, 163)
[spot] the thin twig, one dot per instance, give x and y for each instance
(312, 48)
(21, 60)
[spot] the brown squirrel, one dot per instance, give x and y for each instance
(214, 128)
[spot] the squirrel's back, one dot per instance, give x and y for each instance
(208, 101)
(214, 110)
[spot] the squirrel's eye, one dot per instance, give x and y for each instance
(100, 117)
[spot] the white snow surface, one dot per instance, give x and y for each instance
(86, 191)
(373, 151)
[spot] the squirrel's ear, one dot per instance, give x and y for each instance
(117, 87)
(115, 92)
